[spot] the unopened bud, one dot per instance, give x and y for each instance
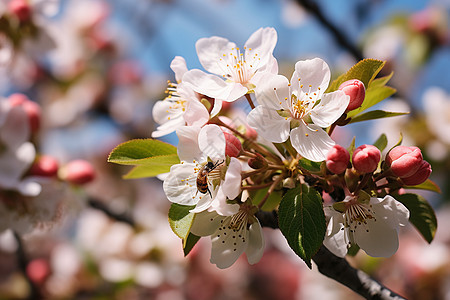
(250, 133)
(337, 159)
(356, 90)
(45, 165)
(257, 162)
(38, 270)
(32, 109)
(366, 158)
(404, 161)
(77, 172)
(21, 9)
(233, 145)
(420, 176)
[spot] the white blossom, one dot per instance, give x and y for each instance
(285, 105)
(373, 226)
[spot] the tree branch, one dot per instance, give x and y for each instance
(113, 215)
(338, 268)
(22, 262)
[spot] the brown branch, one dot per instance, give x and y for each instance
(338, 268)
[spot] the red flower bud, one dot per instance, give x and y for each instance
(404, 161)
(366, 158)
(356, 90)
(21, 9)
(77, 172)
(233, 145)
(337, 159)
(32, 109)
(45, 165)
(421, 175)
(38, 270)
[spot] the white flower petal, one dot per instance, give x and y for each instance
(228, 244)
(261, 42)
(232, 183)
(178, 66)
(336, 243)
(393, 211)
(210, 52)
(313, 74)
(376, 238)
(16, 128)
(211, 142)
(180, 186)
(311, 142)
(188, 149)
(28, 187)
(212, 86)
(163, 112)
(256, 243)
(269, 124)
(196, 113)
(168, 127)
(330, 108)
(216, 108)
(273, 92)
(206, 223)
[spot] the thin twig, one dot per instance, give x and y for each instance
(22, 261)
(113, 215)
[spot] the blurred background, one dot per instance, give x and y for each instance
(98, 68)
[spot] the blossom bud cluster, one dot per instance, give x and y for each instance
(408, 164)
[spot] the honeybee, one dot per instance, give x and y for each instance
(202, 177)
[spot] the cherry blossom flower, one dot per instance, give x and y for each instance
(241, 70)
(232, 234)
(182, 106)
(17, 153)
(197, 148)
(285, 105)
(373, 226)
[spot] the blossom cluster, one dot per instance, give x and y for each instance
(229, 163)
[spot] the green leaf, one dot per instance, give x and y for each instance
(381, 142)
(180, 220)
(311, 166)
(271, 203)
(428, 185)
(146, 171)
(191, 240)
(302, 221)
(421, 214)
(365, 70)
(373, 96)
(379, 82)
(352, 147)
(353, 250)
(144, 152)
(375, 114)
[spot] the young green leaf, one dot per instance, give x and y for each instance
(144, 152)
(365, 70)
(302, 221)
(428, 185)
(180, 220)
(309, 165)
(375, 114)
(381, 142)
(421, 214)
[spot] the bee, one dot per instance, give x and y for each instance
(202, 177)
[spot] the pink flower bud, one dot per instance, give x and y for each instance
(250, 133)
(404, 161)
(420, 176)
(337, 159)
(21, 9)
(45, 165)
(77, 172)
(32, 109)
(366, 158)
(233, 145)
(38, 270)
(356, 90)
